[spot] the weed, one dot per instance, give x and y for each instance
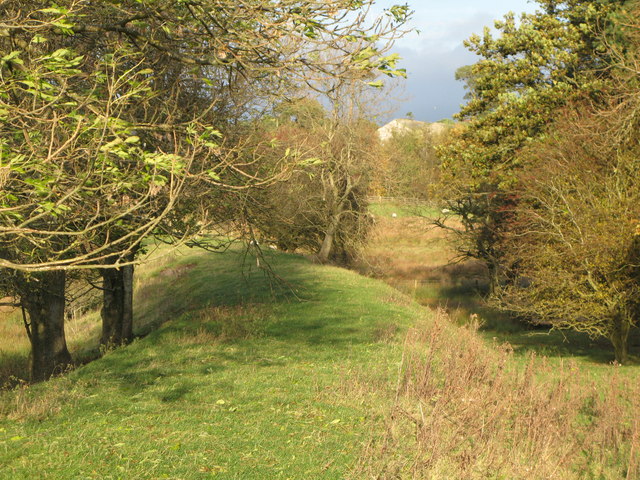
(463, 410)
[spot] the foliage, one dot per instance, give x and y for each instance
(411, 166)
(333, 158)
(576, 234)
(575, 237)
(112, 112)
(74, 171)
(136, 87)
(525, 73)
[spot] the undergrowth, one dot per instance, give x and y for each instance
(463, 410)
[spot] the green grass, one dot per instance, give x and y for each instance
(237, 377)
(244, 381)
(384, 209)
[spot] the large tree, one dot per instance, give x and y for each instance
(575, 236)
(110, 110)
(526, 71)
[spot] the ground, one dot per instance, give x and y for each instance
(328, 375)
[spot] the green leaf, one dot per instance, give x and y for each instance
(311, 161)
(39, 39)
(55, 10)
(60, 53)
(109, 146)
(12, 57)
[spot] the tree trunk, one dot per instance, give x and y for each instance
(117, 306)
(328, 240)
(43, 298)
(494, 276)
(127, 309)
(619, 337)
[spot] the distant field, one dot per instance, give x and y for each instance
(386, 210)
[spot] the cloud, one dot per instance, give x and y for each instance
(432, 57)
(431, 92)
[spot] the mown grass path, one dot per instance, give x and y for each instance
(236, 385)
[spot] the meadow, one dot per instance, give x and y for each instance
(321, 373)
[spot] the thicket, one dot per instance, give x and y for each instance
(543, 175)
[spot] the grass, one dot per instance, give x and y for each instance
(335, 377)
(243, 381)
(463, 410)
(385, 209)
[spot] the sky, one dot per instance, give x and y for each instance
(432, 56)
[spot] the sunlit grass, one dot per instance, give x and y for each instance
(240, 377)
(385, 209)
(245, 378)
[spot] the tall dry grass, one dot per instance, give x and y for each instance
(464, 410)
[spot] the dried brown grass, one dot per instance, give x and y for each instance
(408, 250)
(464, 410)
(25, 402)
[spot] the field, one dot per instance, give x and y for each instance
(410, 254)
(322, 374)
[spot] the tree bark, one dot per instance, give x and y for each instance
(619, 337)
(43, 297)
(328, 240)
(494, 276)
(117, 306)
(127, 310)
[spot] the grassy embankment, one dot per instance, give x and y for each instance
(347, 378)
(242, 386)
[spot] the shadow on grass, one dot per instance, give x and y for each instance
(310, 308)
(171, 289)
(466, 299)
(216, 317)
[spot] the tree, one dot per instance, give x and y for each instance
(75, 175)
(411, 167)
(110, 110)
(525, 74)
(576, 231)
(321, 206)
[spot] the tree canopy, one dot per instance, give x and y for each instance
(119, 120)
(112, 102)
(542, 171)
